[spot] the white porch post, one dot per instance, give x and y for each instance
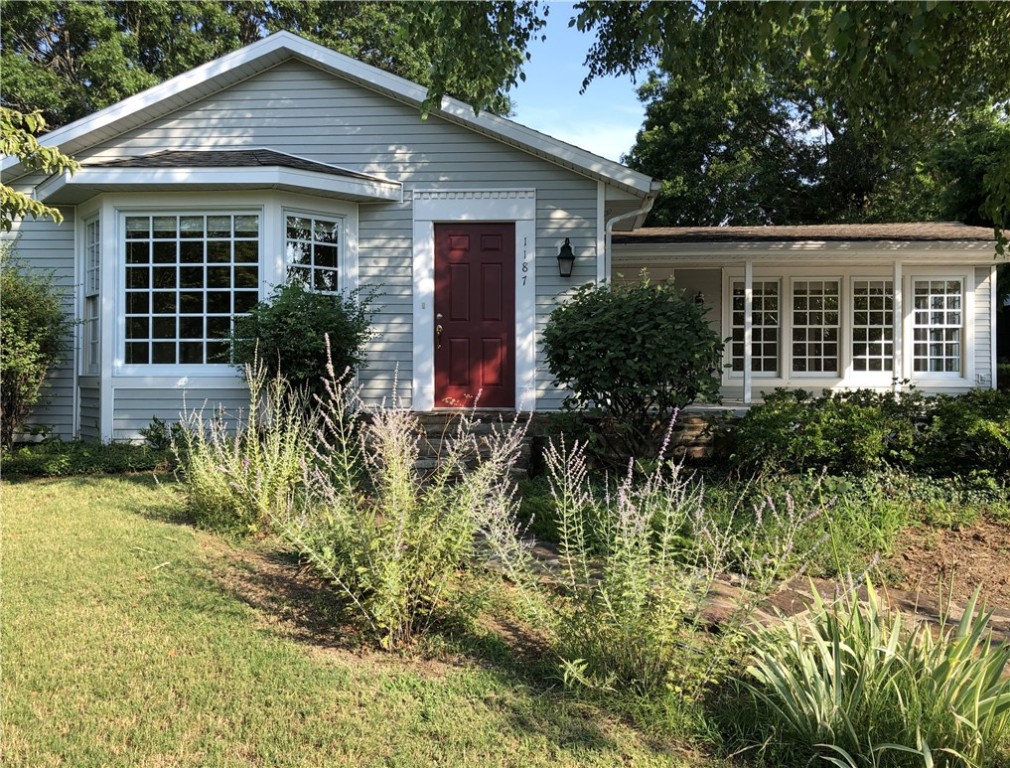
(748, 330)
(899, 324)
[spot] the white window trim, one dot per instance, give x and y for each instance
(844, 333)
(727, 304)
(342, 282)
(871, 378)
(516, 206)
(966, 376)
(121, 367)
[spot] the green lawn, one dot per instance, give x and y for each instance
(125, 642)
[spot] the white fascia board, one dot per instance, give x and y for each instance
(255, 178)
(271, 49)
(978, 252)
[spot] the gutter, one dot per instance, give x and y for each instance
(609, 232)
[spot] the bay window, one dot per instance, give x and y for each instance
(186, 277)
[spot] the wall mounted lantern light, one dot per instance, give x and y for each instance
(566, 259)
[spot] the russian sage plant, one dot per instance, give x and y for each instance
(403, 546)
(642, 567)
(241, 470)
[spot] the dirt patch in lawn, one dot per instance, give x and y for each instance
(959, 561)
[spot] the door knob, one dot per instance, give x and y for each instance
(438, 331)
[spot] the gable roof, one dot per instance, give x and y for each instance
(264, 54)
(928, 231)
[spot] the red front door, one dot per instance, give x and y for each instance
(475, 315)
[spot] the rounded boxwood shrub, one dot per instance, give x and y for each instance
(288, 334)
(636, 352)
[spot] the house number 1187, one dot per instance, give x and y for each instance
(526, 264)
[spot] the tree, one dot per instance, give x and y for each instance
(724, 157)
(70, 59)
(17, 140)
(902, 69)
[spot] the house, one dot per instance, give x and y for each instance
(834, 306)
(197, 196)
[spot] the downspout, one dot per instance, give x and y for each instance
(646, 207)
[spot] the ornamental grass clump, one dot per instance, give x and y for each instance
(856, 684)
(641, 564)
(406, 549)
(242, 470)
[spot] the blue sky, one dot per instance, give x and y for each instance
(604, 120)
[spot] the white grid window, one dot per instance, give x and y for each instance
(764, 329)
(312, 247)
(937, 326)
(872, 325)
(187, 277)
(815, 330)
(92, 284)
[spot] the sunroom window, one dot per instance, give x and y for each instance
(312, 247)
(872, 325)
(815, 326)
(187, 277)
(937, 326)
(764, 327)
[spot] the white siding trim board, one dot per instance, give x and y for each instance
(492, 205)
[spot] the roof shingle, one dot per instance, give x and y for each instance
(912, 231)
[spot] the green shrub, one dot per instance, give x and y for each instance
(857, 431)
(240, 470)
(638, 353)
(401, 546)
(857, 685)
(968, 432)
(33, 336)
(295, 332)
(54, 458)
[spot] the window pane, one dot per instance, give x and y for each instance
(312, 252)
(219, 226)
(247, 226)
(941, 326)
(872, 318)
(764, 333)
(191, 227)
(138, 253)
(138, 226)
(165, 226)
(137, 353)
(166, 305)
